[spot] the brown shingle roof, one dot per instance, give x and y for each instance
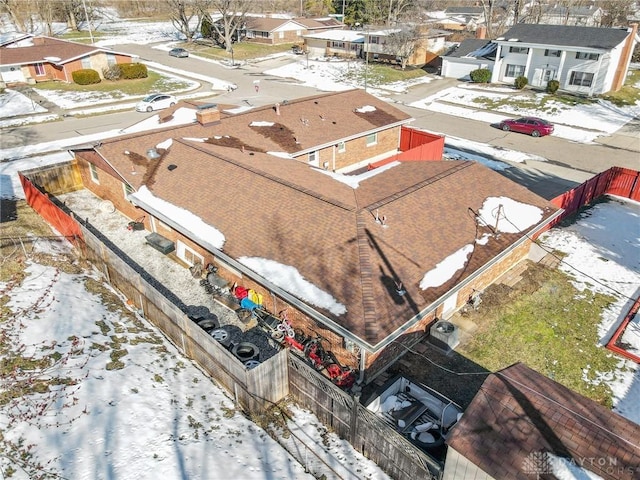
(519, 413)
(265, 24)
(281, 209)
(46, 47)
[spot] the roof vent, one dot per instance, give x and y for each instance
(204, 106)
(152, 153)
(172, 167)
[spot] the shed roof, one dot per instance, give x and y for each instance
(520, 415)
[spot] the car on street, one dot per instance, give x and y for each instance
(534, 126)
(156, 101)
(179, 52)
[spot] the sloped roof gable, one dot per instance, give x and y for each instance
(567, 36)
(519, 412)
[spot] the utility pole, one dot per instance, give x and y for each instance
(343, 2)
(366, 57)
(86, 15)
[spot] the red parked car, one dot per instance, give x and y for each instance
(536, 127)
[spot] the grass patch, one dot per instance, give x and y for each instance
(379, 74)
(241, 51)
(550, 326)
(81, 37)
(628, 94)
(155, 82)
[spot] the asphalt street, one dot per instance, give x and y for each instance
(568, 163)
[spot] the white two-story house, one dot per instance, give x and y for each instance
(585, 60)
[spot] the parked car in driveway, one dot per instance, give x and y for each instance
(156, 101)
(534, 126)
(179, 52)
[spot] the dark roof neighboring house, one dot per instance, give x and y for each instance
(48, 49)
(519, 416)
(473, 11)
(474, 47)
(283, 210)
(267, 24)
(320, 23)
(566, 36)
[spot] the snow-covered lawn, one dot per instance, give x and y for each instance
(133, 407)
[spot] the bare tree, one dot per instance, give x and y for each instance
(182, 13)
(228, 18)
(616, 12)
(399, 9)
(403, 44)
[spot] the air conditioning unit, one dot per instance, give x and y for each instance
(444, 335)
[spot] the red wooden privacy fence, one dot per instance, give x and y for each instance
(54, 215)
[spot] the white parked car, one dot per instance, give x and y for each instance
(157, 101)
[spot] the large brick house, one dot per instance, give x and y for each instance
(277, 198)
(30, 59)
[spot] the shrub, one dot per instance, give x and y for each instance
(553, 86)
(85, 76)
(133, 70)
(113, 72)
(520, 82)
(481, 75)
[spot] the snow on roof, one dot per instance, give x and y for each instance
(444, 270)
(166, 144)
(354, 180)
(181, 116)
(352, 36)
(185, 218)
(261, 124)
(366, 108)
(507, 215)
(288, 278)
(502, 214)
(280, 154)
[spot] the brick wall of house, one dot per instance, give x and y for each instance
(357, 151)
(110, 188)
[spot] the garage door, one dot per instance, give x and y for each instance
(12, 75)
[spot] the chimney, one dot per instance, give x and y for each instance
(481, 32)
(208, 114)
(625, 58)
(277, 107)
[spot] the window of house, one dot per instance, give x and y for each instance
(518, 50)
(587, 56)
(342, 147)
(251, 34)
(581, 79)
(86, 62)
(552, 53)
(313, 157)
(514, 70)
(375, 40)
(372, 139)
(39, 69)
(127, 189)
(281, 35)
(111, 59)
(337, 45)
(93, 172)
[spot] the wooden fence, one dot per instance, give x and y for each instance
(622, 182)
(367, 432)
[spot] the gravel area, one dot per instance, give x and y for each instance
(169, 274)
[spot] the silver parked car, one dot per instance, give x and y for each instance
(179, 52)
(156, 101)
